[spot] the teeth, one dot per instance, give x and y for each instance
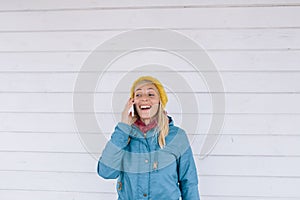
(144, 107)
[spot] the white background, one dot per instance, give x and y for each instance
(254, 44)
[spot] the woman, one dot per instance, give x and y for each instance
(151, 157)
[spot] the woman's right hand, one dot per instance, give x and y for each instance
(126, 116)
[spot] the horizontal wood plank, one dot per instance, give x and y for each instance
(49, 62)
(128, 19)
(32, 5)
(214, 39)
(191, 81)
(54, 195)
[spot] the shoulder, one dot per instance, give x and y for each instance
(177, 132)
(177, 140)
(173, 129)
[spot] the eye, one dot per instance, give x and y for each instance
(151, 94)
(138, 95)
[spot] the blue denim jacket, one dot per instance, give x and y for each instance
(144, 170)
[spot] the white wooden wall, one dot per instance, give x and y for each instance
(254, 44)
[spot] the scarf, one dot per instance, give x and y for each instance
(143, 127)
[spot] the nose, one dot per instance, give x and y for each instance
(144, 97)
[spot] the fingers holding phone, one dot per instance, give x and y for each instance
(128, 112)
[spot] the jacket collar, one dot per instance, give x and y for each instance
(138, 133)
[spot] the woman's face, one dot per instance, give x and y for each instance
(146, 100)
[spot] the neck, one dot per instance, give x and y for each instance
(146, 121)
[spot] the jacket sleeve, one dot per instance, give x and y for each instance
(187, 174)
(110, 162)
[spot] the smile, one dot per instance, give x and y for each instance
(145, 107)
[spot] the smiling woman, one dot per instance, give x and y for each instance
(146, 101)
(145, 98)
(149, 155)
(146, 95)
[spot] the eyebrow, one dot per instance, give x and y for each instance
(147, 89)
(150, 88)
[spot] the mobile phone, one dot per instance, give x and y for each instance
(132, 109)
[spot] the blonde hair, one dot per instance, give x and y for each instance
(162, 119)
(163, 126)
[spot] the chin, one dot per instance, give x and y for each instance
(145, 117)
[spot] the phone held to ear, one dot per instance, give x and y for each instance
(131, 110)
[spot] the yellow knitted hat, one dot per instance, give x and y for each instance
(159, 86)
